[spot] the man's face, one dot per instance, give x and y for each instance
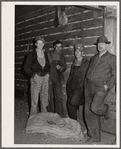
(78, 53)
(102, 47)
(58, 47)
(39, 44)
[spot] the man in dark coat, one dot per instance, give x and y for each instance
(101, 77)
(75, 82)
(58, 66)
(37, 66)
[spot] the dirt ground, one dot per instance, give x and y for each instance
(21, 137)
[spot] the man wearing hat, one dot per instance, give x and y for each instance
(100, 78)
(38, 68)
(58, 66)
(75, 82)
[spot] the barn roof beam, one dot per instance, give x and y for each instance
(91, 7)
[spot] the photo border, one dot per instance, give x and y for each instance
(7, 103)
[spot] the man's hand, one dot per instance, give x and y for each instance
(58, 67)
(106, 87)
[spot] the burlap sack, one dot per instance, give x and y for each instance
(53, 124)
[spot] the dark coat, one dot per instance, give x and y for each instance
(32, 65)
(75, 82)
(103, 69)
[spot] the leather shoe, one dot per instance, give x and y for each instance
(91, 140)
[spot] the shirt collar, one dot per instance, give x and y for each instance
(104, 53)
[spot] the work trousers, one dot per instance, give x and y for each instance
(56, 98)
(72, 110)
(94, 107)
(39, 87)
(74, 100)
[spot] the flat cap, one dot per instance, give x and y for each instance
(57, 42)
(39, 38)
(79, 47)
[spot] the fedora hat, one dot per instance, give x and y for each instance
(102, 39)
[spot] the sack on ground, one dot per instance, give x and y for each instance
(52, 124)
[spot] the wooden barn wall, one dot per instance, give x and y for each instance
(84, 26)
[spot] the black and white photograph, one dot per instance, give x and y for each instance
(60, 65)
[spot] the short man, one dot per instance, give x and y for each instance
(101, 77)
(37, 66)
(58, 66)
